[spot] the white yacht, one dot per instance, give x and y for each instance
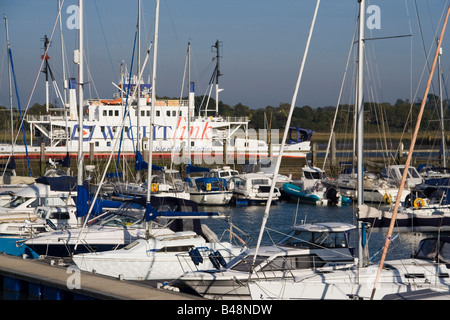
(210, 191)
(321, 247)
(165, 255)
(393, 174)
(44, 219)
(33, 196)
(422, 272)
(252, 188)
(167, 183)
(311, 190)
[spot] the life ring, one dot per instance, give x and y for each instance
(387, 198)
(154, 187)
(419, 203)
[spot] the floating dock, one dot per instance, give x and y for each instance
(43, 280)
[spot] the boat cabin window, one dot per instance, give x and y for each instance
(59, 215)
(293, 263)
(176, 249)
(15, 202)
(314, 240)
(313, 175)
(245, 264)
(52, 215)
(34, 204)
(431, 249)
(54, 201)
(412, 173)
(120, 221)
(238, 183)
(257, 182)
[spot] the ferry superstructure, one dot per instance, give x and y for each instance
(103, 123)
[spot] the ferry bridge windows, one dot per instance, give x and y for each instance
(170, 113)
(111, 113)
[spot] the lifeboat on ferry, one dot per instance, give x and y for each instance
(112, 101)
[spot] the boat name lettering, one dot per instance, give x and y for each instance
(200, 132)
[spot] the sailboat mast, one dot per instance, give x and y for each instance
(80, 95)
(408, 159)
(138, 87)
(61, 37)
(155, 56)
(444, 157)
(190, 103)
(138, 83)
(218, 74)
(10, 88)
(360, 120)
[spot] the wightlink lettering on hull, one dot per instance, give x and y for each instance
(197, 132)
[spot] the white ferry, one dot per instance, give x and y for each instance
(210, 136)
(177, 131)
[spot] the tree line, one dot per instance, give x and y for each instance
(395, 117)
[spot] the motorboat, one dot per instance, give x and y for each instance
(210, 191)
(393, 174)
(164, 256)
(311, 190)
(426, 270)
(376, 189)
(44, 219)
(252, 188)
(33, 196)
(321, 247)
(107, 231)
(224, 172)
(14, 228)
(167, 183)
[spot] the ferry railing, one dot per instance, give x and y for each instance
(46, 118)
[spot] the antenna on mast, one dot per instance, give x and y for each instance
(216, 74)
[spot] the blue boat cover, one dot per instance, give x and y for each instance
(61, 183)
(216, 183)
(190, 168)
(140, 164)
(82, 201)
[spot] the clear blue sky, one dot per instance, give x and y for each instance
(263, 44)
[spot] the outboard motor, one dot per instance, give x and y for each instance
(332, 196)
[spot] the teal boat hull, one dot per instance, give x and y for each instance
(296, 193)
